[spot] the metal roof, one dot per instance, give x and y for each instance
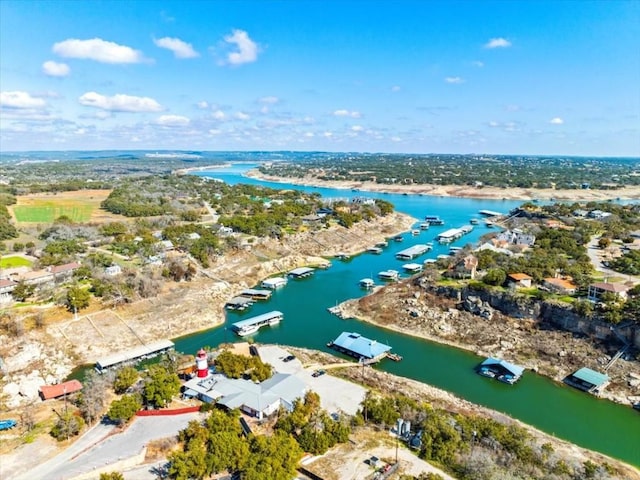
(362, 346)
(136, 352)
(591, 376)
(265, 317)
(414, 251)
(55, 391)
(514, 369)
(300, 271)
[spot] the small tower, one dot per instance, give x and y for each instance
(202, 367)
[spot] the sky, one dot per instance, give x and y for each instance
(397, 76)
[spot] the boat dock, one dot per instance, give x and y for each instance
(134, 355)
(363, 349)
(452, 234)
(433, 220)
(273, 283)
(301, 272)
(253, 324)
(238, 303)
(376, 250)
(391, 275)
(588, 380)
(412, 252)
(412, 267)
(256, 294)
(367, 283)
(490, 213)
(500, 370)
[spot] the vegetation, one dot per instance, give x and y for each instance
(160, 386)
(237, 366)
(628, 263)
(125, 378)
(69, 424)
(125, 408)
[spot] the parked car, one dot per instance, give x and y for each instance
(318, 373)
(289, 358)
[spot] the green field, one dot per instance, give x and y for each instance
(48, 213)
(13, 262)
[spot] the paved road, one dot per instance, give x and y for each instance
(95, 452)
(593, 251)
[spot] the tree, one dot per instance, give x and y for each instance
(93, 396)
(494, 276)
(275, 458)
(123, 410)
(125, 378)
(77, 298)
(111, 476)
(22, 291)
(68, 425)
(604, 242)
(161, 386)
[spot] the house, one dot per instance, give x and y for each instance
(63, 272)
(165, 245)
(193, 236)
(596, 290)
(311, 219)
(256, 399)
(464, 268)
(519, 280)
(37, 277)
(517, 237)
(7, 285)
(598, 214)
(560, 285)
(113, 270)
(48, 392)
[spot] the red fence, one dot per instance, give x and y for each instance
(175, 411)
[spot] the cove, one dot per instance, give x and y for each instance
(553, 408)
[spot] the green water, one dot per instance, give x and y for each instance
(556, 409)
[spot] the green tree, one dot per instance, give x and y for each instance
(68, 425)
(77, 298)
(125, 378)
(124, 409)
(111, 476)
(275, 457)
(160, 386)
(604, 242)
(22, 291)
(495, 276)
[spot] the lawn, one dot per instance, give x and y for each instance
(47, 212)
(13, 262)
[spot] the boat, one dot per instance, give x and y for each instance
(398, 238)
(342, 256)
(249, 330)
(424, 226)
(7, 424)
(489, 223)
(389, 275)
(376, 250)
(382, 244)
(501, 370)
(433, 220)
(415, 232)
(412, 267)
(367, 283)
(474, 221)
(394, 356)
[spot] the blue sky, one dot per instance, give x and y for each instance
(559, 77)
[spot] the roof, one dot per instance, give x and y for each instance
(55, 391)
(5, 282)
(240, 301)
(362, 346)
(610, 287)
(301, 271)
(414, 251)
(274, 281)
(257, 319)
(591, 376)
(514, 369)
(133, 353)
(519, 276)
(67, 267)
(561, 283)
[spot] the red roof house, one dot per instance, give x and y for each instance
(48, 392)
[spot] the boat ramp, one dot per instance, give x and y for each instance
(253, 324)
(500, 370)
(412, 252)
(302, 272)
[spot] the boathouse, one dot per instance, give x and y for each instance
(588, 380)
(256, 294)
(134, 355)
(239, 303)
(273, 283)
(301, 272)
(362, 348)
(500, 370)
(412, 267)
(253, 324)
(412, 252)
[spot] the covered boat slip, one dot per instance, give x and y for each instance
(500, 370)
(588, 380)
(254, 294)
(273, 283)
(413, 252)
(239, 303)
(251, 325)
(133, 355)
(301, 272)
(362, 348)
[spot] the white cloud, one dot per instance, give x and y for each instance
(478, 64)
(309, 134)
(215, 131)
(172, 121)
(497, 43)
(120, 103)
(19, 99)
(556, 121)
(327, 134)
(357, 128)
(270, 100)
(395, 88)
(242, 116)
(179, 48)
(247, 48)
(347, 113)
(203, 105)
(98, 50)
(494, 124)
(55, 69)
(219, 115)
(454, 80)
(396, 139)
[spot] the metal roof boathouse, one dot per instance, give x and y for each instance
(500, 370)
(413, 252)
(301, 272)
(362, 348)
(134, 355)
(253, 324)
(588, 380)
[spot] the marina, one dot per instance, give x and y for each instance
(253, 324)
(501, 370)
(274, 283)
(413, 252)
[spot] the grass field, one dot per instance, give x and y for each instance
(80, 206)
(13, 262)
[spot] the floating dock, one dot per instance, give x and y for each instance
(490, 213)
(452, 234)
(273, 283)
(363, 349)
(238, 303)
(433, 220)
(413, 252)
(134, 355)
(588, 380)
(256, 294)
(301, 272)
(412, 267)
(253, 324)
(501, 370)
(389, 275)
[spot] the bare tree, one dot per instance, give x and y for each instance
(94, 393)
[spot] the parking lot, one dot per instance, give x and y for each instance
(336, 395)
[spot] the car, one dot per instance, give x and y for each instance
(318, 373)
(289, 358)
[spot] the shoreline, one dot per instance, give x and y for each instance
(462, 191)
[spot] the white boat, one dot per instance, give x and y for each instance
(389, 275)
(367, 283)
(248, 330)
(376, 250)
(415, 232)
(424, 226)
